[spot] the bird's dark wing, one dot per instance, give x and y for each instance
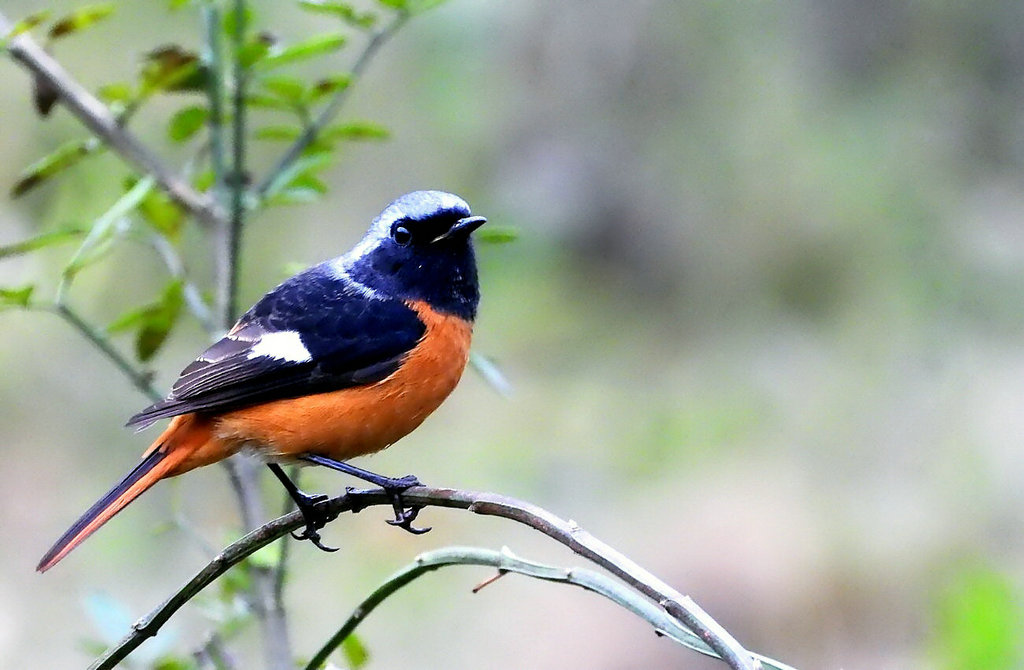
(316, 332)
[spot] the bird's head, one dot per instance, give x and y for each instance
(419, 248)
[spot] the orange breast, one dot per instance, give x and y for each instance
(355, 421)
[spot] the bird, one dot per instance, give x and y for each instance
(339, 361)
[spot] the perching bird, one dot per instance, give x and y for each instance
(341, 360)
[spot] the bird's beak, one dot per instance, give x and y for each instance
(462, 227)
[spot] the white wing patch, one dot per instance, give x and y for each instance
(285, 345)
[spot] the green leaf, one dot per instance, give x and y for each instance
(16, 297)
(356, 130)
(255, 49)
(328, 86)
(163, 214)
(39, 242)
(343, 10)
(311, 48)
(153, 321)
(266, 557)
(187, 122)
(497, 234)
(304, 188)
(204, 180)
(263, 101)
(979, 621)
(281, 133)
(411, 6)
(355, 651)
(80, 19)
(289, 89)
(63, 157)
(236, 581)
(117, 92)
(172, 68)
(230, 17)
(292, 196)
(308, 182)
(105, 228)
(420, 6)
(173, 663)
(296, 174)
(24, 25)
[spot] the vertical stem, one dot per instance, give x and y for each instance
(213, 58)
(225, 243)
(281, 569)
(237, 179)
(263, 596)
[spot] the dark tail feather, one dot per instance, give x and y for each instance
(149, 471)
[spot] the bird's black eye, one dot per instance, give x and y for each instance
(401, 235)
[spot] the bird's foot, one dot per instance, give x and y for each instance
(316, 518)
(404, 514)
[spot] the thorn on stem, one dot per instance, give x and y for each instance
(490, 580)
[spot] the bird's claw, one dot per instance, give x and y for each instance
(309, 533)
(315, 520)
(404, 516)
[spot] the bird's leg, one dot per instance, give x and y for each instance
(315, 517)
(404, 516)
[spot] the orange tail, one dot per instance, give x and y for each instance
(162, 459)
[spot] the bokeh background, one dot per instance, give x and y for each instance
(763, 324)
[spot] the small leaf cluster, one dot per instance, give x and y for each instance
(76, 21)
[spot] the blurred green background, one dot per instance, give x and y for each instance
(763, 324)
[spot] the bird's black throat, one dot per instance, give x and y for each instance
(442, 274)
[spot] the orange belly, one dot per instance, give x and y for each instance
(360, 420)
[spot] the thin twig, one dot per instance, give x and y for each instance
(99, 119)
(505, 561)
(236, 179)
(213, 654)
(333, 108)
(262, 596)
(270, 612)
(213, 58)
(565, 532)
(281, 568)
(230, 184)
(138, 378)
(193, 297)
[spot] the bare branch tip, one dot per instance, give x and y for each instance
(490, 580)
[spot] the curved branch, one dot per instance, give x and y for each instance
(98, 119)
(505, 561)
(680, 607)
